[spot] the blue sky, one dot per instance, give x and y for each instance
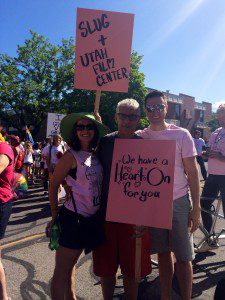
(183, 42)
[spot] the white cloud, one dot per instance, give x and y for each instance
(216, 104)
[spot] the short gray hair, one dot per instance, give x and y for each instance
(129, 103)
(221, 107)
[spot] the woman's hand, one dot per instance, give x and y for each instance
(97, 116)
(49, 228)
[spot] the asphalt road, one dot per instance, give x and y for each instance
(29, 263)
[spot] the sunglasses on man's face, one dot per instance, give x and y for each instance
(158, 107)
(131, 117)
(82, 127)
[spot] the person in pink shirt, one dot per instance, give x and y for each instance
(82, 171)
(215, 182)
(186, 213)
(6, 175)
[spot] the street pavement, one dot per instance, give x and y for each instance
(29, 263)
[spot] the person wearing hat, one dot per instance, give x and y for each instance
(82, 171)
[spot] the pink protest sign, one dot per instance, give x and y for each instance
(141, 183)
(103, 49)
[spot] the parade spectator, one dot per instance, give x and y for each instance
(119, 248)
(21, 145)
(2, 139)
(199, 144)
(185, 217)
(37, 159)
(56, 151)
(6, 176)
(215, 182)
(18, 160)
(44, 153)
(82, 171)
(28, 161)
(4, 134)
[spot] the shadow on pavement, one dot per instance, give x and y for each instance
(27, 201)
(43, 213)
(209, 273)
(30, 286)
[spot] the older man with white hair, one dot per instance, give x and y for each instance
(215, 182)
(119, 248)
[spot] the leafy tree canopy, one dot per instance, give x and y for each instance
(40, 80)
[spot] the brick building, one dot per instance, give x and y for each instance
(184, 111)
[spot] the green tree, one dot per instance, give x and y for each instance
(82, 100)
(213, 124)
(32, 83)
(40, 80)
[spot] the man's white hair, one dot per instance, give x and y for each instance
(129, 103)
(221, 107)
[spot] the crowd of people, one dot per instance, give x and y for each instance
(80, 160)
(27, 156)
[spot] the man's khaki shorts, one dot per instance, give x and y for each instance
(178, 240)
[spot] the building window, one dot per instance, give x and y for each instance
(201, 116)
(177, 111)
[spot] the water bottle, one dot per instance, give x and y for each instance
(54, 239)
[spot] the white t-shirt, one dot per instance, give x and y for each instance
(55, 153)
(37, 157)
(44, 153)
(28, 158)
(199, 143)
(37, 152)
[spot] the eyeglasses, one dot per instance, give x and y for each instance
(83, 127)
(131, 117)
(158, 107)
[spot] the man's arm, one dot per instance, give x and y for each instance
(191, 169)
(4, 162)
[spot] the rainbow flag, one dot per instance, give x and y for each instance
(29, 136)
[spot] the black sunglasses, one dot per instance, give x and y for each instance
(82, 127)
(131, 117)
(158, 107)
